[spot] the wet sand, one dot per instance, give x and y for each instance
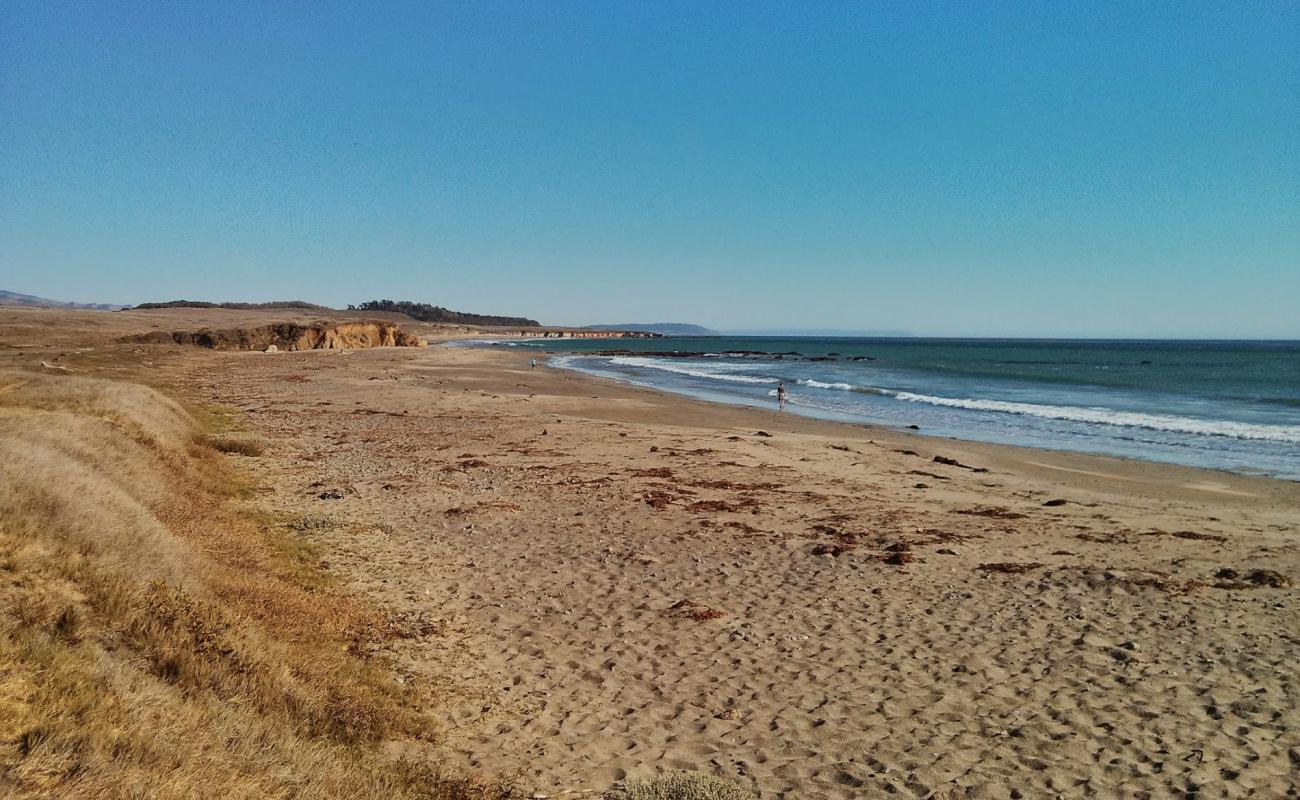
(618, 581)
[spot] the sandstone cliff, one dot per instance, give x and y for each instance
(291, 336)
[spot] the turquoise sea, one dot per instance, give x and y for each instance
(1225, 405)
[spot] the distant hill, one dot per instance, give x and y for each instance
(666, 328)
(427, 313)
(31, 301)
(296, 304)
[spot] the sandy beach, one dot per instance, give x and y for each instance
(609, 581)
(622, 582)
(649, 401)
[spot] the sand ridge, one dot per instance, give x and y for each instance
(867, 641)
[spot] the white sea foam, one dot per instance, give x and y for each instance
(720, 372)
(816, 384)
(1129, 419)
(733, 372)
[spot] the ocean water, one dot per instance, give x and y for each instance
(1224, 405)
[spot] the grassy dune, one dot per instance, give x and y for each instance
(155, 641)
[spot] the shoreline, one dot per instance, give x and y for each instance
(1032, 425)
(1017, 452)
(847, 419)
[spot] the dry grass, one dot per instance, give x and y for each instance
(679, 786)
(239, 445)
(155, 642)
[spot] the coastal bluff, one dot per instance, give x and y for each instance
(289, 336)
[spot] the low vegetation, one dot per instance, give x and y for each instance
(240, 445)
(679, 786)
(157, 642)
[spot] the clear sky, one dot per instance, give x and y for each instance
(1126, 169)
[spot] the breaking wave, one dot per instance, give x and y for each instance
(1127, 419)
(1097, 416)
(719, 372)
(737, 373)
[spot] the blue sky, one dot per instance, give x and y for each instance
(952, 169)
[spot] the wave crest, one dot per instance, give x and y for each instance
(719, 372)
(1126, 419)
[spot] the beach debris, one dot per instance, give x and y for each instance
(330, 495)
(1229, 578)
(925, 474)
(655, 472)
(415, 625)
(1054, 503)
(1011, 567)
(841, 447)
(744, 487)
(654, 449)
(1192, 535)
(1103, 538)
(946, 551)
(1154, 579)
(993, 512)
(831, 549)
(914, 427)
(897, 554)
(939, 536)
(702, 506)
(689, 609)
(376, 412)
(486, 505)
(657, 499)
(763, 434)
(952, 462)
(908, 452)
(56, 366)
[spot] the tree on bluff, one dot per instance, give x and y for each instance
(429, 313)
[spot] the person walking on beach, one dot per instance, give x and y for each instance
(780, 396)
(534, 363)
